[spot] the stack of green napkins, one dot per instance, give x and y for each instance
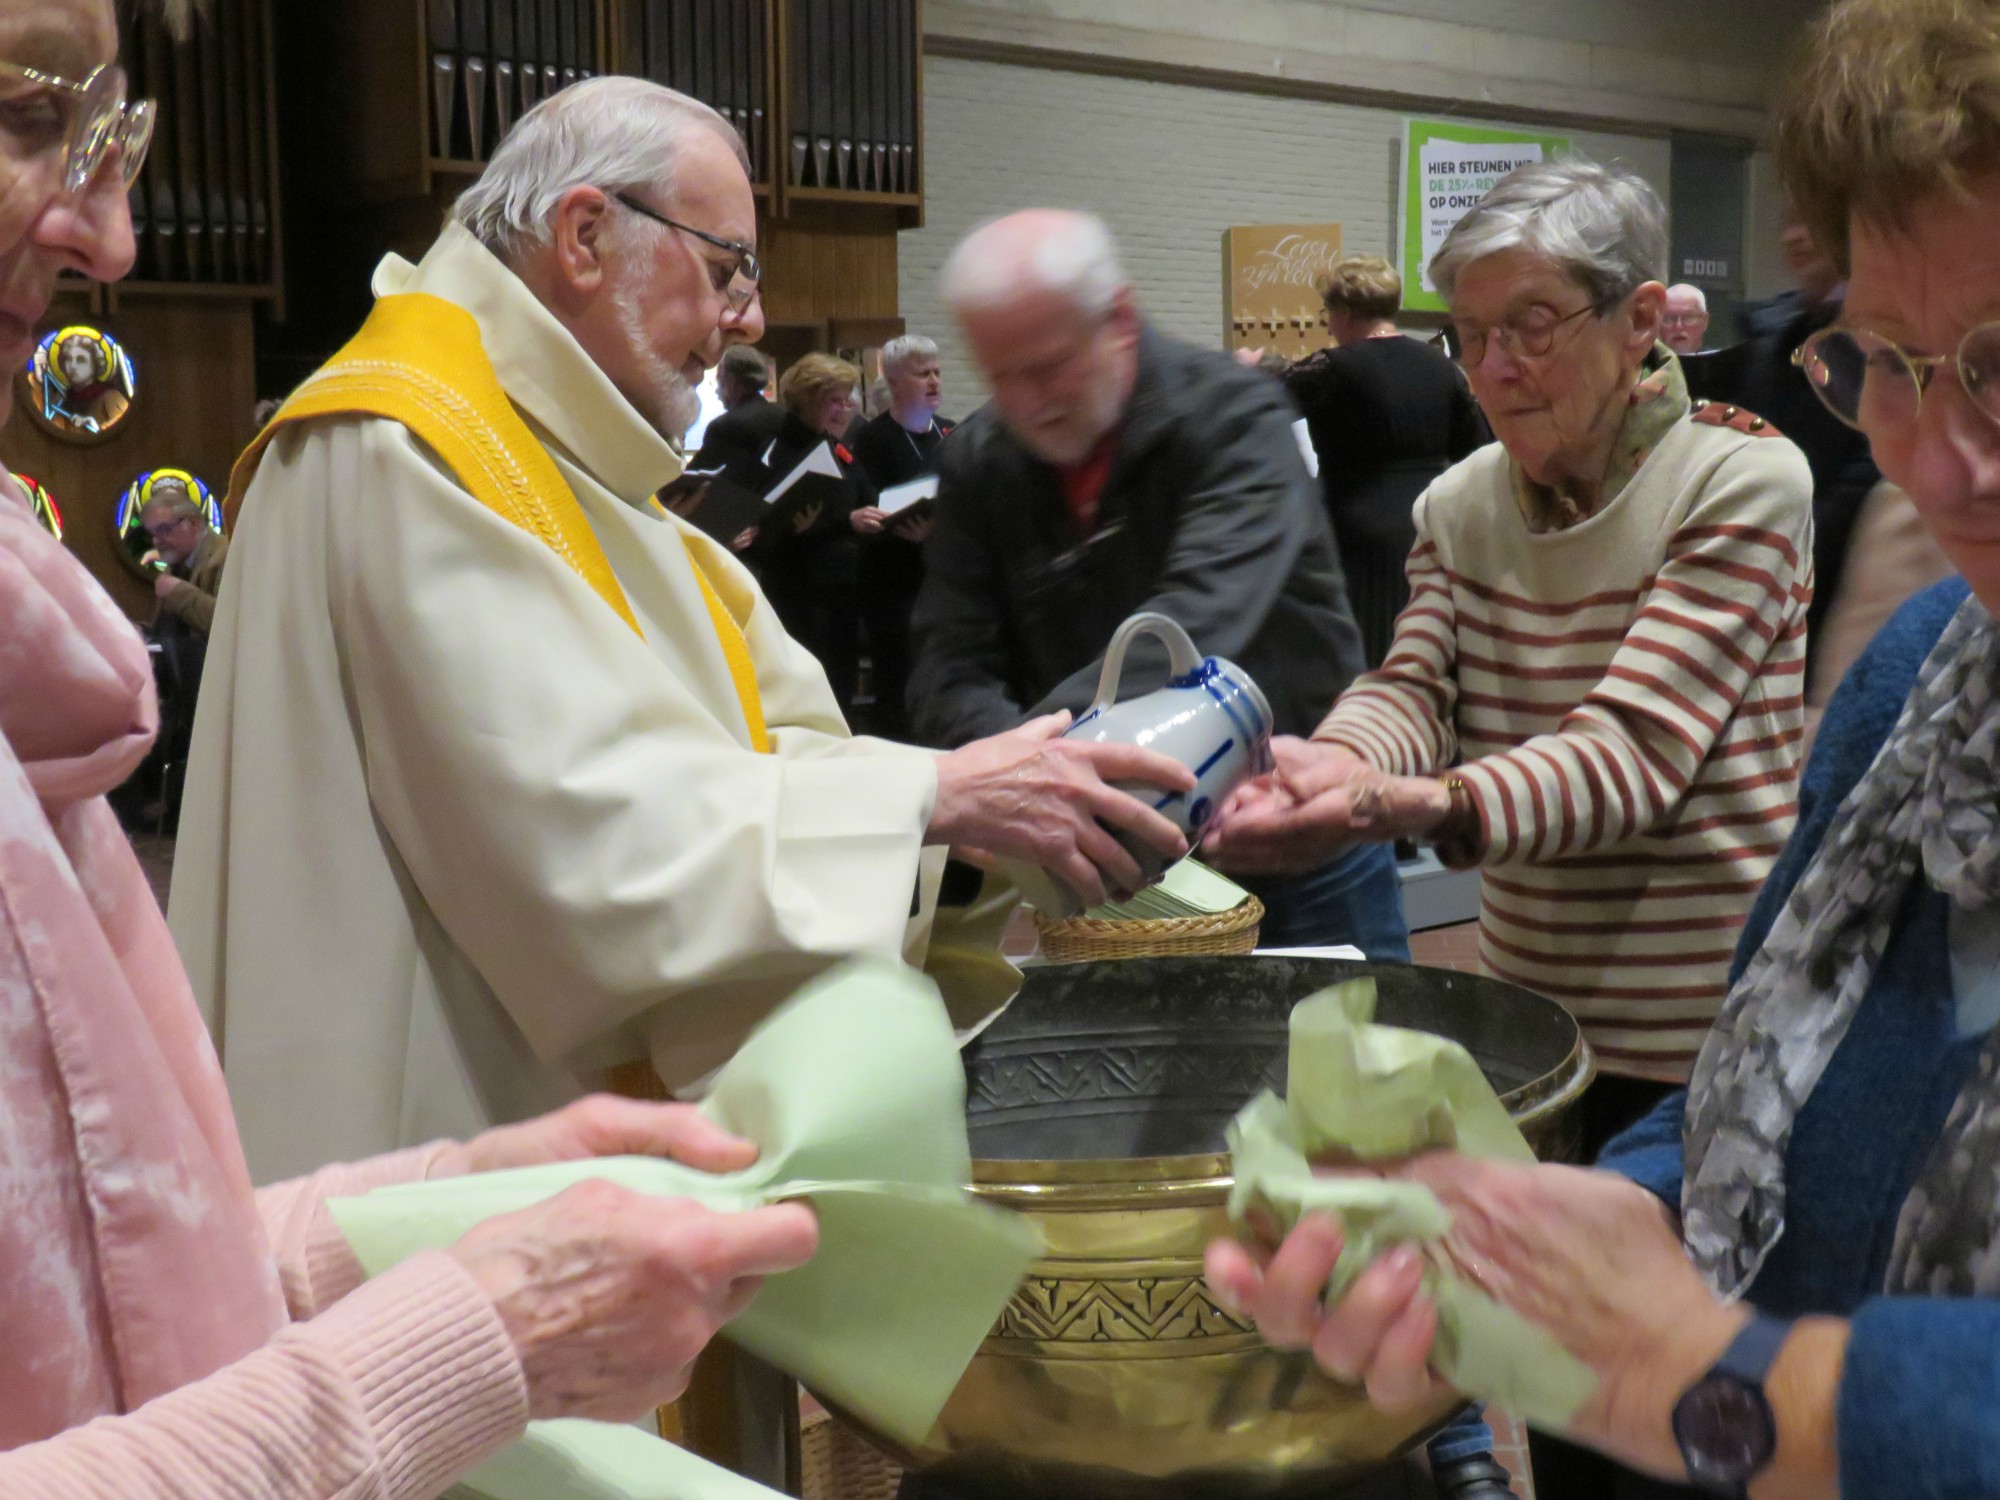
(1189, 889)
(855, 1097)
(1363, 1093)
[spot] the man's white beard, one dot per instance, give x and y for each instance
(668, 403)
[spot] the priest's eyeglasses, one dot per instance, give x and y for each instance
(91, 120)
(1876, 385)
(743, 276)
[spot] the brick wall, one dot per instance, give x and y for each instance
(1169, 166)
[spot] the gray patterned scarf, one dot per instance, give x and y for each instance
(1931, 800)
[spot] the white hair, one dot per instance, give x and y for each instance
(1070, 254)
(1604, 226)
(1689, 289)
(612, 133)
(900, 353)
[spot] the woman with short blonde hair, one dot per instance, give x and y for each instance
(1387, 415)
(1363, 286)
(811, 569)
(809, 388)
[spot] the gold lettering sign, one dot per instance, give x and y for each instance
(1270, 285)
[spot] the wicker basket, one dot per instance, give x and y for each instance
(837, 1465)
(1081, 938)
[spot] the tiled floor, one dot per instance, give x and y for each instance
(1453, 947)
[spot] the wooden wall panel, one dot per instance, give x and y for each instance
(196, 374)
(829, 260)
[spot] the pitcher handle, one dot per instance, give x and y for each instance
(1182, 657)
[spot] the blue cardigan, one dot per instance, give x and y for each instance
(1920, 1396)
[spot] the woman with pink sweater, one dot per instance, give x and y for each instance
(163, 1328)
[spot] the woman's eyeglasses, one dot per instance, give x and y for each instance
(1529, 336)
(100, 122)
(1875, 385)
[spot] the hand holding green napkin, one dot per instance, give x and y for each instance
(855, 1096)
(1364, 1093)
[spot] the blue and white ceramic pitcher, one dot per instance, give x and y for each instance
(1209, 716)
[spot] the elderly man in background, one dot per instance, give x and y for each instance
(1684, 326)
(1595, 693)
(750, 420)
(503, 776)
(1118, 470)
(894, 447)
(192, 550)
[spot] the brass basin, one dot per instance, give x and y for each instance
(1096, 1105)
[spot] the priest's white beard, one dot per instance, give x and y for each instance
(668, 403)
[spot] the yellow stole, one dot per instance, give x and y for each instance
(418, 360)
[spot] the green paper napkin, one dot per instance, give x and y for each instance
(1361, 1092)
(855, 1096)
(576, 1460)
(1188, 889)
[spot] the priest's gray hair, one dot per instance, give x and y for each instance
(899, 354)
(1037, 250)
(612, 133)
(1604, 226)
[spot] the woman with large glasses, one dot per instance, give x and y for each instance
(163, 1329)
(1789, 1280)
(1594, 691)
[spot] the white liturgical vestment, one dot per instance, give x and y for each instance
(456, 839)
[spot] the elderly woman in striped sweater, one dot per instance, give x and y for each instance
(1595, 691)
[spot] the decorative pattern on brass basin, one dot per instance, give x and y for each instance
(1147, 1310)
(1163, 1068)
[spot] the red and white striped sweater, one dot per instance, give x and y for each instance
(1624, 700)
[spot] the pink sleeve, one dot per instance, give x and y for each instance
(399, 1390)
(314, 1264)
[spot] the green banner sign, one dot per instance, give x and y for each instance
(1447, 167)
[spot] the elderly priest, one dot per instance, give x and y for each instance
(503, 776)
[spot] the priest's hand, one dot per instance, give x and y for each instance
(1590, 1256)
(601, 1125)
(1319, 800)
(1031, 795)
(608, 1295)
(806, 519)
(867, 519)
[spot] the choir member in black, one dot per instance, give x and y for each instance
(1387, 415)
(742, 435)
(897, 446)
(808, 564)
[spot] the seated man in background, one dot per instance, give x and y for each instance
(1684, 328)
(503, 776)
(1117, 470)
(193, 551)
(897, 445)
(749, 420)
